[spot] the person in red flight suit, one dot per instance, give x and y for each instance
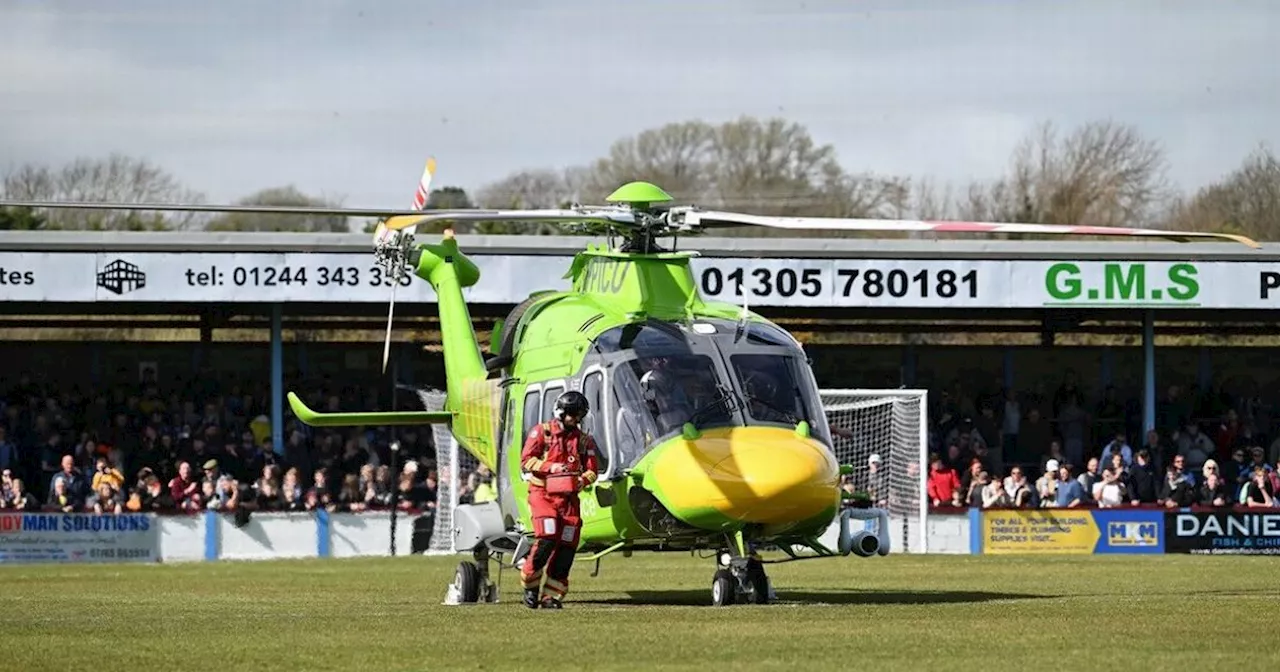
(560, 460)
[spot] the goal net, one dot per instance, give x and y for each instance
(455, 482)
(883, 435)
(887, 424)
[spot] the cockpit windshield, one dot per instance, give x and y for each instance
(776, 391)
(679, 389)
(656, 395)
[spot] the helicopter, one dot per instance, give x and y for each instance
(712, 433)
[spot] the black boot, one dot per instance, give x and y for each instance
(531, 598)
(551, 603)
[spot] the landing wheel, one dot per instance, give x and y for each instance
(724, 589)
(759, 582)
(467, 580)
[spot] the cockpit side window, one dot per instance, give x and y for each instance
(597, 417)
(777, 391)
(677, 387)
(633, 430)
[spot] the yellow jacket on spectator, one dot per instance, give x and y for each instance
(484, 493)
(112, 476)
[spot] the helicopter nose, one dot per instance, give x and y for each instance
(740, 475)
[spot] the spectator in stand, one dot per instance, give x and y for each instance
(1237, 472)
(1070, 492)
(1119, 445)
(1020, 493)
(1228, 434)
(1214, 491)
(1110, 492)
(944, 484)
(1258, 492)
(1089, 478)
(485, 491)
(292, 498)
(1055, 454)
(74, 483)
(104, 472)
(320, 490)
(183, 489)
(107, 500)
(1177, 490)
(1194, 446)
(152, 497)
(1047, 485)
(63, 499)
(973, 496)
(18, 498)
(349, 497)
(993, 494)
(1142, 479)
(1119, 468)
(6, 483)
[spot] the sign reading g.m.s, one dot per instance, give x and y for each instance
(1122, 283)
(1223, 533)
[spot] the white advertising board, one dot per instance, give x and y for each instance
(298, 277)
(78, 537)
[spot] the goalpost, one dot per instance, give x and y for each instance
(889, 423)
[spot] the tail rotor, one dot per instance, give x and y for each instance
(391, 243)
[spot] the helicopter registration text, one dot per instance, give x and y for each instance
(605, 276)
(837, 282)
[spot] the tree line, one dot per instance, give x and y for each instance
(1102, 173)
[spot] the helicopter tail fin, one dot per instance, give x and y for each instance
(473, 399)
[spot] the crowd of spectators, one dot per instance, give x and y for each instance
(182, 447)
(177, 448)
(1002, 449)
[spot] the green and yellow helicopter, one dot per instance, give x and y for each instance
(712, 431)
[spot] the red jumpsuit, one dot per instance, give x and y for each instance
(557, 522)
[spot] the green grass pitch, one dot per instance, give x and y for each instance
(650, 612)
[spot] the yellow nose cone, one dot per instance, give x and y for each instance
(738, 475)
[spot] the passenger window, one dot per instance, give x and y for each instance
(549, 396)
(594, 424)
(532, 410)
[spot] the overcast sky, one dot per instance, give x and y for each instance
(348, 98)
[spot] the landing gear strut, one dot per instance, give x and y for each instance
(739, 579)
(471, 582)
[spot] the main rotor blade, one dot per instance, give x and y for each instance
(181, 207)
(607, 215)
(590, 216)
(711, 218)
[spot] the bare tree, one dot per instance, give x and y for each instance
(527, 190)
(1247, 201)
(281, 196)
(676, 157)
(116, 178)
(1102, 174)
(764, 167)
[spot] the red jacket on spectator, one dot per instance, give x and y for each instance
(943, 482)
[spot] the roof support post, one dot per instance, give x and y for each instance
(277, 379)
(1149, 372)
